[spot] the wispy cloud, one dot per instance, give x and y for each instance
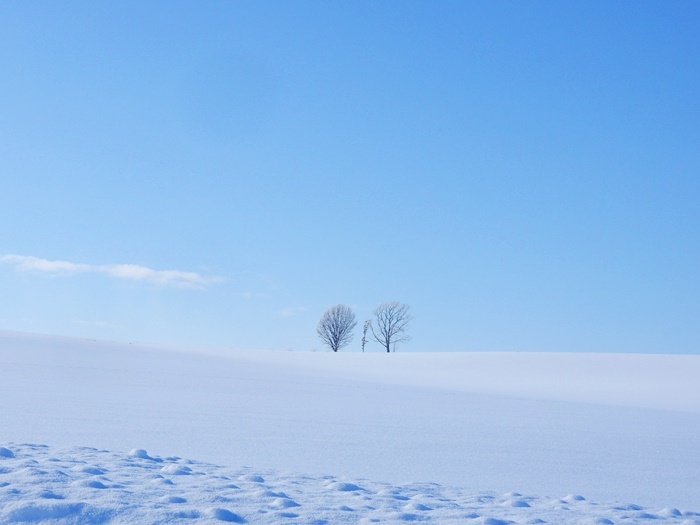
(131, 272)
(27, 263)
(162, 277)
(292, 311)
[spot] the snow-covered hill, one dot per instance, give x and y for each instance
(440, 437)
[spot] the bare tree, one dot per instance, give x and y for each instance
(336, 325)
(368, 323)
(391, 320)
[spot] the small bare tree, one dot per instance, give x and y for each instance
(336, 325)
(368, 323)
(391, 320)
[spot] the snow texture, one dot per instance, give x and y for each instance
(442, 438)
(41, 484)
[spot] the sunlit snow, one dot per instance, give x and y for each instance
(275, 437)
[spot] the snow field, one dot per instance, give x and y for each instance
(620, 428)
(41, 484)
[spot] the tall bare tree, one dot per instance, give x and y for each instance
(335, 326)
(391, 324)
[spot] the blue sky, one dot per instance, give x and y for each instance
(525, 175)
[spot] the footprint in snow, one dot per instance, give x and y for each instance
(252, 478)
(417, 506)
(407, 516)
(160, 480)
(394, 494)
(344, 487)
(518, 503)
(226, 515)
(94, 484)
(90, 470)
(173, 499)
(49, 494)
(6, 453)
(185, 515)
(496, 521)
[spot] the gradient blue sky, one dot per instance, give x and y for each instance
(526, 175)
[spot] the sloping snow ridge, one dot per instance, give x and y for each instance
(41, 484)
(482, 438)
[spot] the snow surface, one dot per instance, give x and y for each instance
(445, 438)
(86, 485)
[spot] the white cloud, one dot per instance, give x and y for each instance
(132, 272)
(27, 263)
(292, 311)
(176, 278)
